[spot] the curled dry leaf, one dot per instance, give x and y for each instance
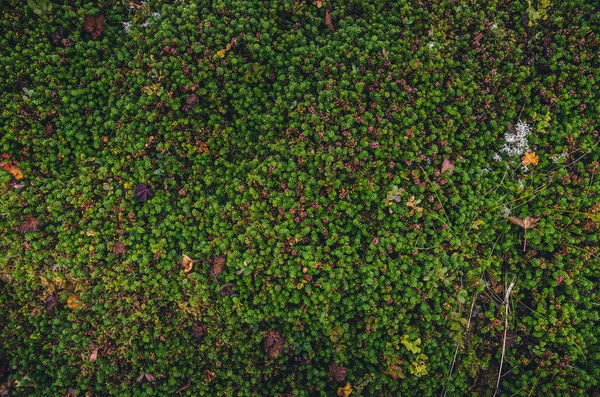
(187, 263)
(94, 25)
(328, 21)
(319, 4)
(71, 392)
(149, 377)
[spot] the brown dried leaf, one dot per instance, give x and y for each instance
(94, 25)
(319, 4)
(51, 302)
(94, 355)
(30, 224)
(140, 378)
(150, 377)
(337, 372)
(527, 223)
(273, 344)
(496, 286)
(209, 375)
(199, 331)
(226, 290)
(119, 248)
(71, 392)
(217, 265)
(185, 386)
(447, 166)
(328, 21)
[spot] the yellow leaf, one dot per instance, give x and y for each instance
(344, 391)
(15, 172)
(475, 225)
(73, 302)
(221, 53)
(187, 263)
(530, 158)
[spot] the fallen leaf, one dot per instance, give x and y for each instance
(221, 53)
(476, 223)
(447, 166)
(71, 392)
(94, 25)
(143, 193)
(73, 302)
(51, 303)
(273, 344)
(209, 376)
(15, 172)
(187, 263)
(185, 386)
(119, 248)
(337, 372)
(344, 391)
(94, 355)
(328, 22)
(319, 4)
(527, 223)
(30, 224)
(150, 377)
(530, 158)
(217, 265)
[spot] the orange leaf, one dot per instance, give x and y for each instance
(15, 172)
(73, 302)
(530, 158)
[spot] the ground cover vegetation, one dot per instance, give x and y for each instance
(242, 198)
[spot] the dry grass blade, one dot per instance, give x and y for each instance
(506, 310)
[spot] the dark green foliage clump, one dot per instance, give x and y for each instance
(340, 183)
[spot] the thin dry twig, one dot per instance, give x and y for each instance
(506, 310)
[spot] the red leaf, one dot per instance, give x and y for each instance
(447, 166)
